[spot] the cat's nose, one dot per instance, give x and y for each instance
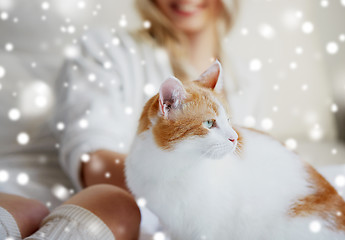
(233, 137)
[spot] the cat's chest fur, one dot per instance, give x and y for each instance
(217, 197)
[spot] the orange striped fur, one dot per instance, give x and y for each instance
(324, 202)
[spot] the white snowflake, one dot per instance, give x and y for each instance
(255, 65)
(60, 126)
(23, 178)
(266, 31)
(41, 101)
(14, 114)
(293, 65)
(315, 226)
(60, 192)
(107, 65)
(85, 157)
(307, 27)
(249, 121)
(304, 87)
(71, 51)
(107, 175)
(342, 37)
(71, 29)
(324, 3)
(244, 31)
(23, 138)
(81, 4)
(291, 143)
(45, 5)
(334, 151)
(332, 48)
(9, 47)
(116, 41)
(340, 180)
(4, 176)
(343, 2)
(334, 108)
(316, 133)
(141, 202)
(159, 236)
(4, 16)
(299, 14)
(92, 77)
(299, 50)
(83, 123)
(267, 124)
(2, 72)
(146, 24)
(129, 110)
(123, 21)
(291, 19)
(149, 89)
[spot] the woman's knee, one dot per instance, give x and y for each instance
(28, 213)
(116, 207)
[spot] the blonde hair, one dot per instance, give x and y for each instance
(167, 36)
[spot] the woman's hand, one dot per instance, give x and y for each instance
(104, 166)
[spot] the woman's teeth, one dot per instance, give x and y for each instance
(187, 7)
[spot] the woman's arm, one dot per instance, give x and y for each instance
(104, 166)
(93, 109)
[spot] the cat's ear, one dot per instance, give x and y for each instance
(212, 77)
(171, 95)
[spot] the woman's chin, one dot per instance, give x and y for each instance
(191, 27)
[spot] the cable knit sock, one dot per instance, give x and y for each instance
(8, 226)
(71, 222)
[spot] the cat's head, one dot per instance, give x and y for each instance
(192, 116)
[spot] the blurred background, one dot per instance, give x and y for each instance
(295, 47)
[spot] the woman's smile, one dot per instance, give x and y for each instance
(187, 8)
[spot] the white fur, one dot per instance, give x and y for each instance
(202, 190)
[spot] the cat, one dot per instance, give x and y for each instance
(207, 179)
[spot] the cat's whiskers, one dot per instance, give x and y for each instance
(238, 150)
(216, 150)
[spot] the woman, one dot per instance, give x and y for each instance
(100, 95)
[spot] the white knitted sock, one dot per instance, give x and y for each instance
(71, 222)
(8, 226)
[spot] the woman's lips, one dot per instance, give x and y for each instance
(186, 9)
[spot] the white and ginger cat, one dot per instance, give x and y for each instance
(206, 179)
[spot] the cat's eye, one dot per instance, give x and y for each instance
(209, 123)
